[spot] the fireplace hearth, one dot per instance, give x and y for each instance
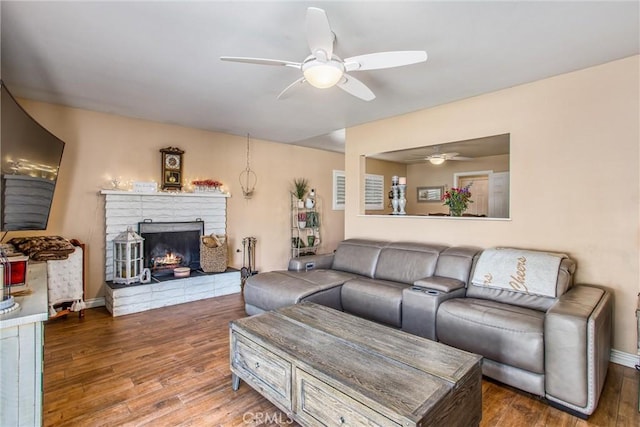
(168, 245)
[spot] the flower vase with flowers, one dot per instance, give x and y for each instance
(457, 199)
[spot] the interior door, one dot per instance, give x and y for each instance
(479, 193)
(499, 195)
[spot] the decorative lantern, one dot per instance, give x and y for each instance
(127, 257)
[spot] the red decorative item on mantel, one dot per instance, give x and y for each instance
(206, 185)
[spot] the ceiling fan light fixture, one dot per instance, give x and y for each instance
(436, 160)
(323, 74)
(323, 69)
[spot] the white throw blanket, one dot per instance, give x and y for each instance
(530, 272)
(64, 280)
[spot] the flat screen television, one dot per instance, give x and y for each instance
(30, 159)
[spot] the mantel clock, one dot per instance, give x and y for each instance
(171, 168)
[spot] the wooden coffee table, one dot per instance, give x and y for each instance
(324, 367)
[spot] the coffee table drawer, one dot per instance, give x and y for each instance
(319, 404)
(262, 369)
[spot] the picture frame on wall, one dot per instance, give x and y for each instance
(430, 194)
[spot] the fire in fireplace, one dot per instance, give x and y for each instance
(168, 245)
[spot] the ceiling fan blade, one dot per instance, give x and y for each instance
(289, 90)
(376, 61)
(319, 34)
(460, 158)
(261, 61)
(356, 88)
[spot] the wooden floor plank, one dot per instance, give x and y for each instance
(496, 401)
(628, 410)
(170, 367)
(550, 416)
(607, 413)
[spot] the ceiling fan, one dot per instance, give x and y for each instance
(438, 158)
(323, 69)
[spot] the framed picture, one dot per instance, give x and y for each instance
(430, 194)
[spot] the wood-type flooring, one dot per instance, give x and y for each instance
(170, 367)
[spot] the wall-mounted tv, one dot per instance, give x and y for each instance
(30, 159)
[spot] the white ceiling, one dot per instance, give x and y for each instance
(160, 60)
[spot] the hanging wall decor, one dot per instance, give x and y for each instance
(248, 178)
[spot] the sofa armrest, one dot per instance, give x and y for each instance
(420, 303)
(577, 334)
(311, 262)
(420, 308)
(439, 283)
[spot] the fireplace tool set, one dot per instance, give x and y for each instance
(248, 258)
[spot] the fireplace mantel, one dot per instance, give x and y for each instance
(166, 193)
(125, 209)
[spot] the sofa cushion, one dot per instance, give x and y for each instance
(501, 332)
(277, 289)
(456, 262)
(358, 256)
(377, 300)
(407, 262)
(536, 302)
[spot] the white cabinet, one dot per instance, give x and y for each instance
(21, 353)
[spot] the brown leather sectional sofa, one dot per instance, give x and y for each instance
(554, 347)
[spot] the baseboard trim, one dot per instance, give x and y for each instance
(95, 302)
(621, 358)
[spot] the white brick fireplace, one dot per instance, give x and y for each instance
(126, 209)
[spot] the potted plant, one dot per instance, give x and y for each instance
(312, 219)
(296, 242)
(311, 240)
(300, 187)
(302, 220)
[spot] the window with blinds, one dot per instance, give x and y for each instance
(373, 192)
(338, 190)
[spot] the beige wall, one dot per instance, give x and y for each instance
(101, 145)
(574, 175)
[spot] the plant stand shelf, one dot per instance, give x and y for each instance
(305, 228)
